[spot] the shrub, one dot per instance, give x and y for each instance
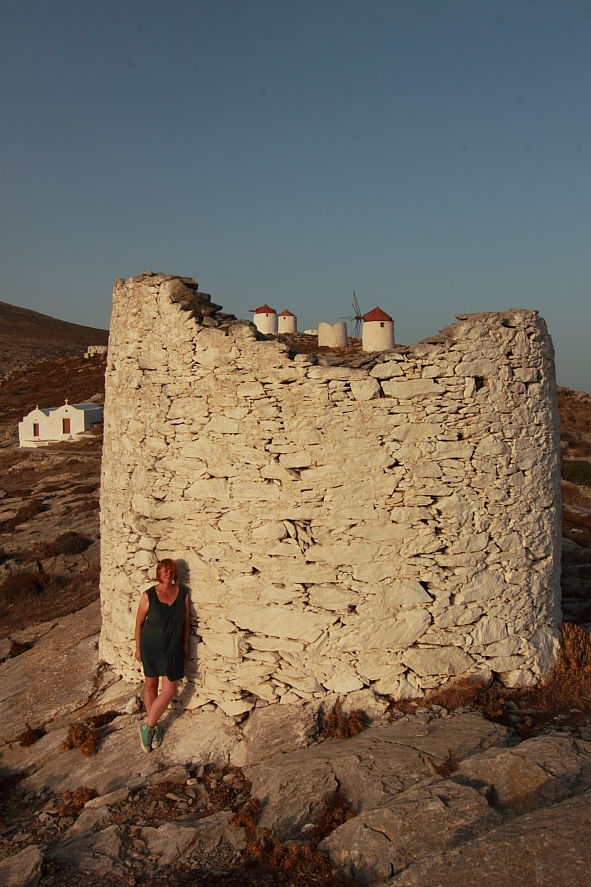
(70, 543)
(99, 721)
(490, 701)
(336, 809)
(82, 736)
(578, 471)
(71, 803)
(445, 767)
(30, 736)
(19, 585)
(568, 683)
(18, 647)
(338, 724)
(86, 736)
(293, 864)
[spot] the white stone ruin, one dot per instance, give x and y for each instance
(332, 335)
(96, 351)
(388, 526)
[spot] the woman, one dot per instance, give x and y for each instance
(161, 643)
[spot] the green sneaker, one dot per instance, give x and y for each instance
(146, 736)
(157, 737)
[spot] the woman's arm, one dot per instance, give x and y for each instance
(187, 627)
(142, 612)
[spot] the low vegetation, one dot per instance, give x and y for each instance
(30, 735)
(564, 691)
(86, 736)
(577, 471)
(72, 802)
(568, 684)
(269, 861)
(339, 724)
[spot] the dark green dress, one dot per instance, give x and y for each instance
(161, 639)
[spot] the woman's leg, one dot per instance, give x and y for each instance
(150, 693)
(161, 701)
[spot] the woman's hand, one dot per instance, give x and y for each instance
(137, 654)
(187, 653)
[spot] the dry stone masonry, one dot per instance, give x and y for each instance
(345, 520)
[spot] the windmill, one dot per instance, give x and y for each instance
(357, 316)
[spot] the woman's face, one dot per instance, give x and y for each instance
(167, 574)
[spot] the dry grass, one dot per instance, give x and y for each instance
(445, 767)
(336, 809)
(222, 792)
(59, 594)
(84, 737)
(338, 724)
(567, 685)
(577, 471)
(565, 689)
(70, 543)
(19, 585)
(71, 803)
(267, 860)
(490, 701)
(30, 736)
(100, 721)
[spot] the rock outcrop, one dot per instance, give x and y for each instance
(431, 797)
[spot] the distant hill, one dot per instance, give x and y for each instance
(28, 337)
(21, 323)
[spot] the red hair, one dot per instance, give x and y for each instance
(166, 562)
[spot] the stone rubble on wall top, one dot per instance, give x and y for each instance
(379, 521)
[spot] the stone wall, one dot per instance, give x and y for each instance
(345, 520)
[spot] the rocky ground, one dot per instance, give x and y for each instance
(456, 791)
(436, 794)
(49, 549)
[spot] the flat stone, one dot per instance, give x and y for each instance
(537, 772)
(32, 688)
(295, 624)
(119, 763)
(93, 853)
(411, 388)
(437, 660)
(22, 869)
(392, 633)
(371, 768)
(546, 848)
(173, 842)
(275, 730)
(417, 823)
(366, 389)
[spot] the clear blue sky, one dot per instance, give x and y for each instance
(435, 155)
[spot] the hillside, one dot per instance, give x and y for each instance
(27, 337)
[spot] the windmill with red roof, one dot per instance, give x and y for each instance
(378, 331)
(265, 319)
